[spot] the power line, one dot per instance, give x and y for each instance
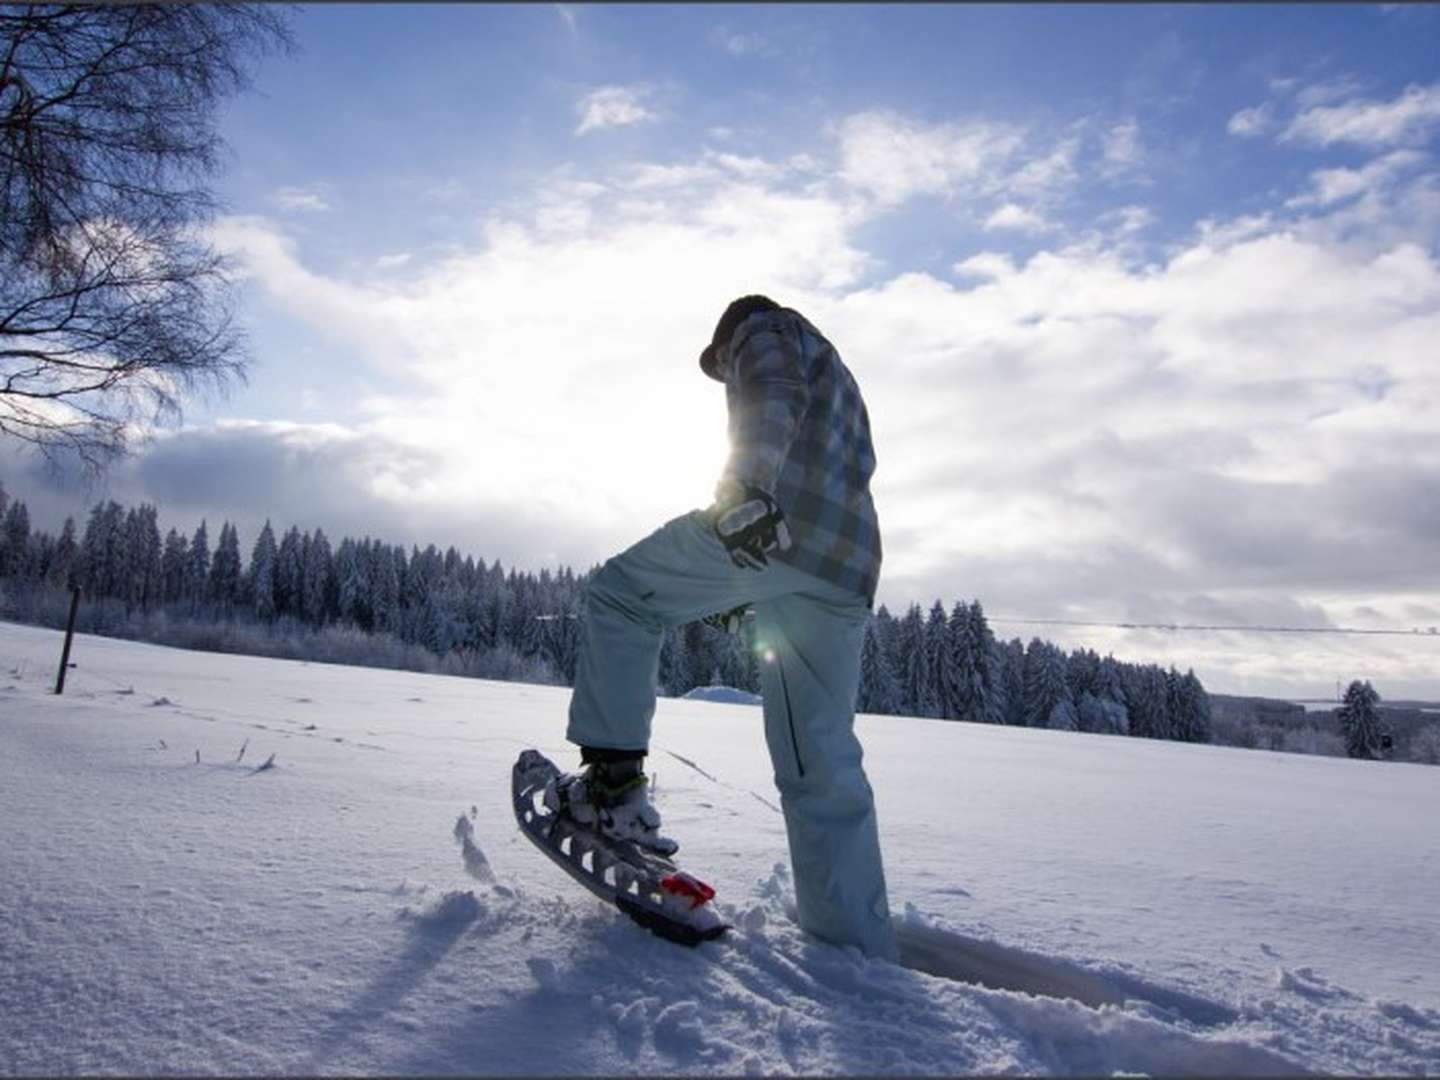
(1429, 632)
(1173, 627)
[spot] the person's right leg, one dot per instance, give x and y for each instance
(810, 645)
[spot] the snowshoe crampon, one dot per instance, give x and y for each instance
(648, 887)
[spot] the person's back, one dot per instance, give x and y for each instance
(800, 429)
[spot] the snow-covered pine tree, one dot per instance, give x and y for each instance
(197, 569)
(422, 585)
(65, 559)
(224, 585)
(519, 626)
(673, 669)
(40, 551)
(562, 641)
(132, 580)
(989, 669)
(353, 590)
(956, 676)
(937, 663)
(527, 626)
(1047, 695)
(15, 542)
(885, 630)
(1082, 668)
(1174, 704)
(319, 589)
(1146, 693)
(701, 656)
(1193, 721)
(1359, 716)
(470, 606)
(290, 574)
(386, 564)
(982, 667)
(909, 661)
(174, 559)
(879, 690)
(100, 551)
(145, 555)
(1083, 674)
(260, 587)
(1110, 691)
(1013, 678)
(496, 606)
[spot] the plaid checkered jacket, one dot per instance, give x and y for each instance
(799, 430)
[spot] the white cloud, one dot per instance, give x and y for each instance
(1126, 221)
(1017, 219)
(741, 42)
(891, 158)
(751, 168)
(1121, 148)
(1047, 175)
(301, 200)
(1330, 186)
(1407, 118)
(612, 106)
(1323, 93)
(393, 262)
(987, 264)
(1248, 123)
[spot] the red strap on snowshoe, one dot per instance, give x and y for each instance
(682, 884)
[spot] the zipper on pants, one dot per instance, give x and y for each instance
(789, 715)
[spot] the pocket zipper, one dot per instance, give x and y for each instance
(789, 716)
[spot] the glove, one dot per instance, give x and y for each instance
(727, 622)
(749, 524)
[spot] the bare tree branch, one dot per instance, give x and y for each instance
(111, 308)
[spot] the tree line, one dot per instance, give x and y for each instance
(942, 665)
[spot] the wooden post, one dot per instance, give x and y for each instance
(69, 634)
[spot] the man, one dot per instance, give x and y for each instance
(792, 533)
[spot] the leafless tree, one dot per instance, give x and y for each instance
(113, 305)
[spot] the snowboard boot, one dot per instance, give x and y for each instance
(611, 796)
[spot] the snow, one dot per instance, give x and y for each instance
(1067, 904)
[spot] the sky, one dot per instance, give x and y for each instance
(1141, 299)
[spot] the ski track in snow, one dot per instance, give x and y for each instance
(312, 917)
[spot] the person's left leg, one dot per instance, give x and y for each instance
(676, 575)
(810, 643)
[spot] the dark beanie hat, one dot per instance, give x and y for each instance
(738, 311)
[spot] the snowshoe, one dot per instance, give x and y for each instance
(645, 885)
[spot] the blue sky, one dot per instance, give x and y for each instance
(1142, 297)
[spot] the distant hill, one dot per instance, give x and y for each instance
(728, 695)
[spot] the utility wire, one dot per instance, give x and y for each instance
(1430, 632)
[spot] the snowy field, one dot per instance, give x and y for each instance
(1067, 904)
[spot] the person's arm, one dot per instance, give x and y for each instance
(769, 393)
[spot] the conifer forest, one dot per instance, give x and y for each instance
(364, 601)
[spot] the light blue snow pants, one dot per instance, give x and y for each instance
(814, 632)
